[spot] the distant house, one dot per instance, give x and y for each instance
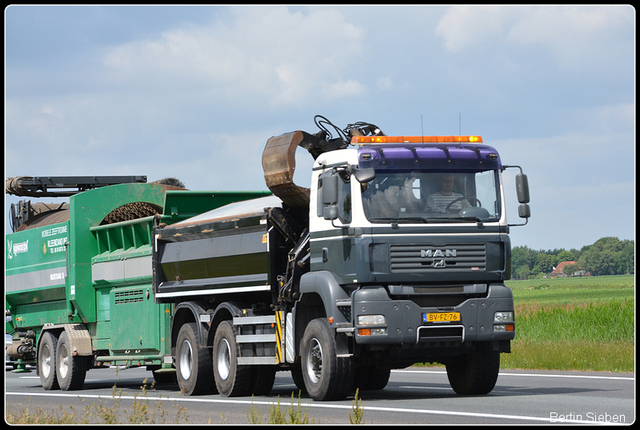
(559, 270)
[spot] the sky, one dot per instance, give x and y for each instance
(194, 92)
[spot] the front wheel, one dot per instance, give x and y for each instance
(326, 376)
(476, 372)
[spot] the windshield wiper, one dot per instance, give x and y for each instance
(399, 219)
(477, 219)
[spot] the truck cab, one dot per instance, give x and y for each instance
(409, 242)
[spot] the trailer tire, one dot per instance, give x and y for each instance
(193, 362)
(70, 369)
(326, 376)
(231, 379)
(47, 361)
(476, 372)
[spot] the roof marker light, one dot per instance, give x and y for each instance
(363, 140)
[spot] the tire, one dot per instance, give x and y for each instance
(164, 378)
(47, 361)
(231, 379)
(264, 377)
(193, 362)
(378, 378)
(476, 372)
(326, 376)
(70, 369)
(298, 379)
(370, 378)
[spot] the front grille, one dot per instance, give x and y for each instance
(432, 259)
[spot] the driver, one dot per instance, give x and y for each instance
(438, 202)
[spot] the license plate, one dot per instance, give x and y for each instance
(440, 317)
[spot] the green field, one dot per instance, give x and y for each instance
(574, 324)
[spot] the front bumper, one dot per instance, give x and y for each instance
(404, 321)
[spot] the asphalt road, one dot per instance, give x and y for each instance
(413, 396)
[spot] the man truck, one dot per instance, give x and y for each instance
(397, 254)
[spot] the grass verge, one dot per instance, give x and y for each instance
(584, 324)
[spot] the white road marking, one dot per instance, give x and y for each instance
(537, 375)
(311, 405)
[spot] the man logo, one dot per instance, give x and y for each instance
(439, 263)
(438, 253)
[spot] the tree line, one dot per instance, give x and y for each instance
(607, 256)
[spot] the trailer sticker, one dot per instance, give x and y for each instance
(54, 230)
(58, 276)
(17, 248)
(56, 245)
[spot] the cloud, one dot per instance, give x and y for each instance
(470, 27)
(575, 36)
(270, 53)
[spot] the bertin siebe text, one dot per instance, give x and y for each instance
(600, 417)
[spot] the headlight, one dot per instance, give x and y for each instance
(502, 317)
(371, 320)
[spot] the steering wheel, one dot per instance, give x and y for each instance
(472, 199)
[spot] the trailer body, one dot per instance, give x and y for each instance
(78, 279)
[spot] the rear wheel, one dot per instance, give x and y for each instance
(264, 377)
(326, 376)
(476, 372)
(164, 378)
(47, 361)
(193, 362)
(71, 369)
(231, 379)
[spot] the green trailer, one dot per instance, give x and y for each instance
(78, 280)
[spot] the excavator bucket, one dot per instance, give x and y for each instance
(279, 163)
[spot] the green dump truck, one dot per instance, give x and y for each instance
(396, 255)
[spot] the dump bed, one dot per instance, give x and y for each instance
(222, 251)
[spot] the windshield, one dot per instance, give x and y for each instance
(432, 197)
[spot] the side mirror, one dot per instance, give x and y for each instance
(365, 175)
(329, 189)
(329, 195)
(522, 188)
(330, 212)
(524, 211)
(522, 191)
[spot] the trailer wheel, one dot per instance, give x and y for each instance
(326, 376)
(193, 362)
(476, 372)
(47, 361)
(231, 379)
(71, 369)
